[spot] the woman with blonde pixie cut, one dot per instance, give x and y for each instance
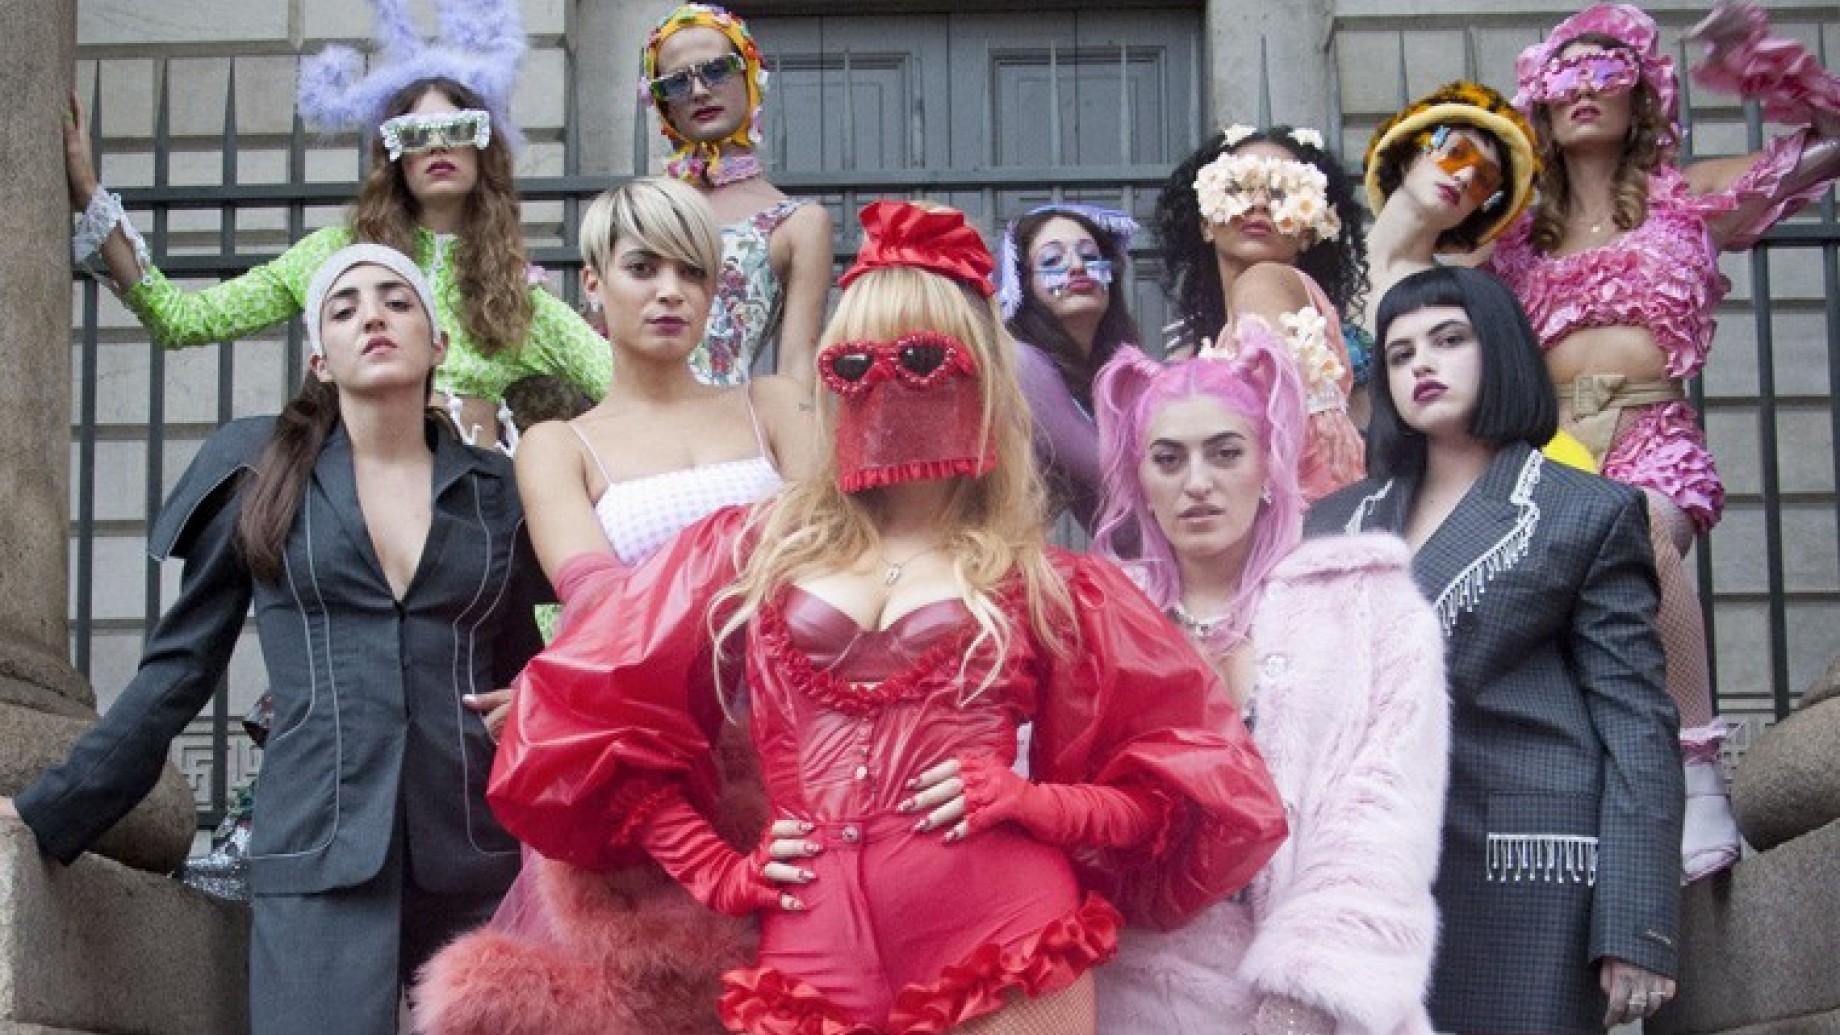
(614, 948)
(899, 616)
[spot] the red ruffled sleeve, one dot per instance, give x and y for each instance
(1133, 704)
(618, 715)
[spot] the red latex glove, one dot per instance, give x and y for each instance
(1068, 815)
(715, 874)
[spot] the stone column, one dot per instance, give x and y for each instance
(44, 703)
(1296, 39)
(607, 36)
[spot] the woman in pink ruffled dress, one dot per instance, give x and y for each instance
(1617, 268)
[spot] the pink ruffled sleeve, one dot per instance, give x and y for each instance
(1769, 192)
(1776, 72)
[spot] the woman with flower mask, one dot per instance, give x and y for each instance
(707, 80)
(1335, 936)
(1060, 283)
(898, 616)
(1617, 267)
(1264, 223)
(439, 188)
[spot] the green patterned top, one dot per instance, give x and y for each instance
(560, 342)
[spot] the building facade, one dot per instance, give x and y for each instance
(993, 107)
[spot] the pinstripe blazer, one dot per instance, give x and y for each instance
(369, 731)
(1562, 830)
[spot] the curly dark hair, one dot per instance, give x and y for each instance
(1190, 276)
(1035, 325)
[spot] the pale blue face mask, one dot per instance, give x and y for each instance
(1054, 265)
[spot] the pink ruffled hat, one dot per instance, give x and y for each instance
(1624, 22)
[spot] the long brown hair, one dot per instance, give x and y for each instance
(998, 524)
(1643, 147)
(271, 496)
(490, 263)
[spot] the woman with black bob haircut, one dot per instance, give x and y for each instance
(1514, 401)
(1559, 880)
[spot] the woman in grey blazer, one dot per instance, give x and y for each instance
(1559, 883)
(391, 577)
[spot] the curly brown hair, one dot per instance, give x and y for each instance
(490, 266)
(1643, 149)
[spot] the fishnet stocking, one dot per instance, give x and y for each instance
(1678, 620)
(1071, 1011)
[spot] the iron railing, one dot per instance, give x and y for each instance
(994, 194)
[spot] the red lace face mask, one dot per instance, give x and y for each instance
(908, 410)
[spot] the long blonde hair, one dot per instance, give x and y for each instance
(998, 521)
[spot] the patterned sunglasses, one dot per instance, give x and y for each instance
(1566, 78)
(712, 73)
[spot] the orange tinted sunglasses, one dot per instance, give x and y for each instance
(1454, 153)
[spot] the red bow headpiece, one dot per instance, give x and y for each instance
(901, 233)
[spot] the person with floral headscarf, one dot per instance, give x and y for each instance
(1617, 267)
(1263, 222)
(707, 80)
(1062, 291)
(899, 615)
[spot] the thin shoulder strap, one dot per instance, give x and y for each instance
(592, 455)
(747, 393)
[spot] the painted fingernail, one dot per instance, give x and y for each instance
(807, 875)
(905, 806)
(920, 827)
(813, 848)
(804, 827)
(912, 783)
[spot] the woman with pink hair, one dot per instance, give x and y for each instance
(1336, 934)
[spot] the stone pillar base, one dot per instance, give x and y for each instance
(1759, 943)
(98, 947)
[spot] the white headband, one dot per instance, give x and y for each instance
(359, 255)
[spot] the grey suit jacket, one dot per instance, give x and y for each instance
(1562, 833)
(369, 730)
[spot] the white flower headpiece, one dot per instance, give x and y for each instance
(1304, 135)
(1296, 194)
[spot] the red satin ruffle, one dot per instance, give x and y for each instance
(766, 1001)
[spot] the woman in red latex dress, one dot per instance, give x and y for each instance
(898, 618)
(1617, 267)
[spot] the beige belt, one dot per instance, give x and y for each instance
(1594, 402)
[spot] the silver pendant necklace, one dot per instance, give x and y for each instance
(898, 568)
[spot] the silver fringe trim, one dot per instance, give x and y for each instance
(1547, 858)
(1465, 591)
(1357, 522)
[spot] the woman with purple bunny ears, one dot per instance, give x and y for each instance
(1060, 286)
(439, 189)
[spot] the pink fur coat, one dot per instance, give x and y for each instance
(1351, 715)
